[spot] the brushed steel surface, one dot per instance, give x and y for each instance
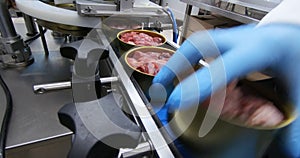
(34, 117)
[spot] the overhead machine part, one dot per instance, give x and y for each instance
(43, 11)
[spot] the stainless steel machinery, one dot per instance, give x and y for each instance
(13, 51)
(244, 11)
(56, 89)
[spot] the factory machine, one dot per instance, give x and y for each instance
(78, 101)
(81, 101)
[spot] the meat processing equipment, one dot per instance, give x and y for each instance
(93, 82)
(108, 112)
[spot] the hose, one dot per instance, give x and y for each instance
(174, 24)
(6, 118)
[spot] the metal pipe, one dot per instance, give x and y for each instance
(30, 25)
(188, 12)
(44, 42)
(7, 28)
(43, 88)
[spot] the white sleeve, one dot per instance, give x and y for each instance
(288, 11)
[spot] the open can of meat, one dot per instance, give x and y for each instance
(145, 62)
(240, 135)
(137, 38)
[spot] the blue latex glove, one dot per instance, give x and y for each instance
(238, 51)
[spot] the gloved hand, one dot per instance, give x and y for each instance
(238, 51)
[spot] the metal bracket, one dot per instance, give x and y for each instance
(14, 52)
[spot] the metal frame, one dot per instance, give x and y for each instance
(157, 139)
(92, 8)
(226, 13)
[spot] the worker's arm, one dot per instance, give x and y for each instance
(286, 12)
